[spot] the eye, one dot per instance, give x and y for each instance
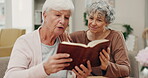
(91, 18)
(66, 17)
(58, 15)
(99, 20)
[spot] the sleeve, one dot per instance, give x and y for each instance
(78, 37)
(120, 67)
(19, 62)
(73, 37)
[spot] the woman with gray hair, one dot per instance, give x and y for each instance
(34, 54)
(114, 61)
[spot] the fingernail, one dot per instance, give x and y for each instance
(71, 59)
(100, 52)
(76, 67)
(68, 55)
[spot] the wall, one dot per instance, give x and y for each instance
(77, 22)
(8, 13)
(22, 14)
(132, 12)
(127, 12)
(146, 16)
(146, 13)
(2, 13)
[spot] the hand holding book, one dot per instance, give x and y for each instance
(81, 53)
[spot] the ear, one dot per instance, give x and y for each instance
(44, 14)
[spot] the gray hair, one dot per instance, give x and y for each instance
(57, 5)
(103, 7)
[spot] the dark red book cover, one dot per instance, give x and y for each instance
(81, 54)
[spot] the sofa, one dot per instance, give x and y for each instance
(8, 37)
(3, 65)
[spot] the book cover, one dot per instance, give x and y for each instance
(80, 53)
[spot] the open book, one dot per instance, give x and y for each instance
(80, 53)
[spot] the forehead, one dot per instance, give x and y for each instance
(97, 14)
(65, 12)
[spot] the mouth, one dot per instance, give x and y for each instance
(61, 27)
(93, 28)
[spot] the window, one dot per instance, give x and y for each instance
(2, 13)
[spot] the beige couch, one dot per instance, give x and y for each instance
(3, 65)
(7, 39)
(132, 46)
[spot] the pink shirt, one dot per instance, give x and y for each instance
(26, 58)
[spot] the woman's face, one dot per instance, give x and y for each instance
(96, 22)
(56, 21)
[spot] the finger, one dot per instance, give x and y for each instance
(102, 56)
(69, 38)
(89, 66)
(60, 65)
(105, 54)
(61, 37)
(84, 68)
(108, 50)
(79, 71)
(60, 55)
(102, 62)
(64, 36)
(75, 72)
(66, 60)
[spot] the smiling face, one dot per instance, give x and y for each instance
(56, 21)
(96, 22)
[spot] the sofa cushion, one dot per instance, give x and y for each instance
(3, 65)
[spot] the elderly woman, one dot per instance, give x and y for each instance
(34, 54)
(114, 61)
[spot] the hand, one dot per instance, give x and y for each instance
(65, 37)
(84, 72)
(56, 63)
(104, 58)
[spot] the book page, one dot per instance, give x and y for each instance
(95, 42)
(76, 44)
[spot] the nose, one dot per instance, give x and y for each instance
(62, 20)
(93, 22)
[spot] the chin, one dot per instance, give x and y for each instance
(93, 31)
(59, 32)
